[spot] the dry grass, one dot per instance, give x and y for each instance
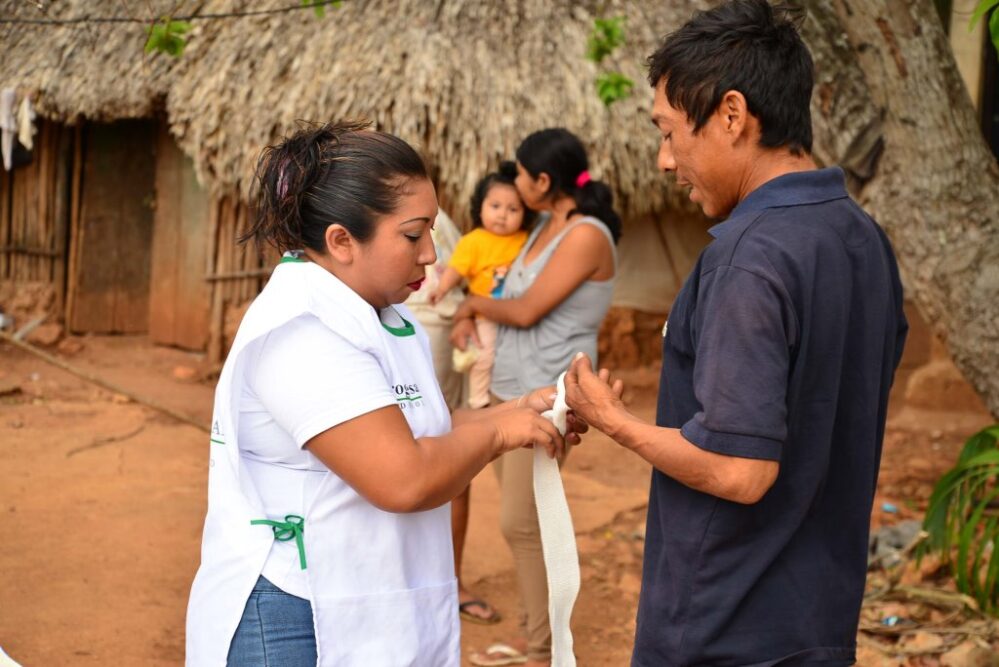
(463, 81)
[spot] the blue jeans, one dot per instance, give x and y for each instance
(276, 630)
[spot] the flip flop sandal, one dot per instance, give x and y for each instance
(492, 619)
(504, 654)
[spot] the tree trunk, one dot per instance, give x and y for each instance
(891, 108)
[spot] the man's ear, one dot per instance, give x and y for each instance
(340, 244)
(733, 112)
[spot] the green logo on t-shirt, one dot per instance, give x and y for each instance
(408, 395)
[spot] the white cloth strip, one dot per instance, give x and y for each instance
(558, 539)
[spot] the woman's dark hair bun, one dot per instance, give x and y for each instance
(508, 169)
(559, 153)
(326, 173)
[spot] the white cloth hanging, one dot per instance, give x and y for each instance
(558, 539)
(26, 124)
(8, 126)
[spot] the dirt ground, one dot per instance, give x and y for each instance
(102, 502)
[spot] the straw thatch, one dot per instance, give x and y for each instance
(463, 81)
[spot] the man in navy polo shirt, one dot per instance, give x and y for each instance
(778, 357)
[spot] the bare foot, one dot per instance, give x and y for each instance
(476, 610)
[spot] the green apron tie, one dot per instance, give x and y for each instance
(293, 526)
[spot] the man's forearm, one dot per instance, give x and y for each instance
(731, 478)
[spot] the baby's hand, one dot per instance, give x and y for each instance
(435, 296)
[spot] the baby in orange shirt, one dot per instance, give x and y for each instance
(482, 257)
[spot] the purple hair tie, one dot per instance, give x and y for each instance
(583, 178)
(282, 181)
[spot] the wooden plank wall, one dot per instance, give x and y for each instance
(112, 239)
(35, 211)
(180, 296)
(112, 217)
(238, 271)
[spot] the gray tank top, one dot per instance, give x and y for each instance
(534, 357)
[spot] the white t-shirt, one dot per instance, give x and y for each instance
(301, 380)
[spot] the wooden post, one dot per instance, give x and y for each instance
(62, 206)
(74, 221)
(6, 183)
(214, 352)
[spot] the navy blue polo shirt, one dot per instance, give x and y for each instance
(781, 345)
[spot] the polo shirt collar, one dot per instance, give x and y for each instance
(794, 189)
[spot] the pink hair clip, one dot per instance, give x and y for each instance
(583, 178)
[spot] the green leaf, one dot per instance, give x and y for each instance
(960, 515)
(319, 6)
(983, 6)
(613, 86)
(606, 35)
(155, 40)
(994, 32)
(992, 574)
(988, 540)
(167, 36)
(974, 540)
(175, 46)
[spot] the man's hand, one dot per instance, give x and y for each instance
(593, 397)
(575, 426)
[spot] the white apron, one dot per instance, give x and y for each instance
(382, 584)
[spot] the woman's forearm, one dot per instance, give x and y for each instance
(539, 400)
(468, 415)
(446, 464)
(377, 455)
(508, 312)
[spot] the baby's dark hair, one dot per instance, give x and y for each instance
(505, 175)
(329, 173)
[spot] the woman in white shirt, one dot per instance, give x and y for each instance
(333, 455)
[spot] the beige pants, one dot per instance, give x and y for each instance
(519, 525)
(439, 331)
(480, 376)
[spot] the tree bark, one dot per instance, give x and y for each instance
(891, 108)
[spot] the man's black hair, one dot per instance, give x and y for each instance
(748, 46)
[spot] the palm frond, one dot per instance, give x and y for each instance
(963, 516)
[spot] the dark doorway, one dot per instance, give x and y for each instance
(112, 238)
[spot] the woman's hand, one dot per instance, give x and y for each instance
(524, 427)
(462, 331)
(592, 396)
(467, 308)
(543, 399)
(539, 400)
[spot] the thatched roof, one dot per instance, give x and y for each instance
(463, 81)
